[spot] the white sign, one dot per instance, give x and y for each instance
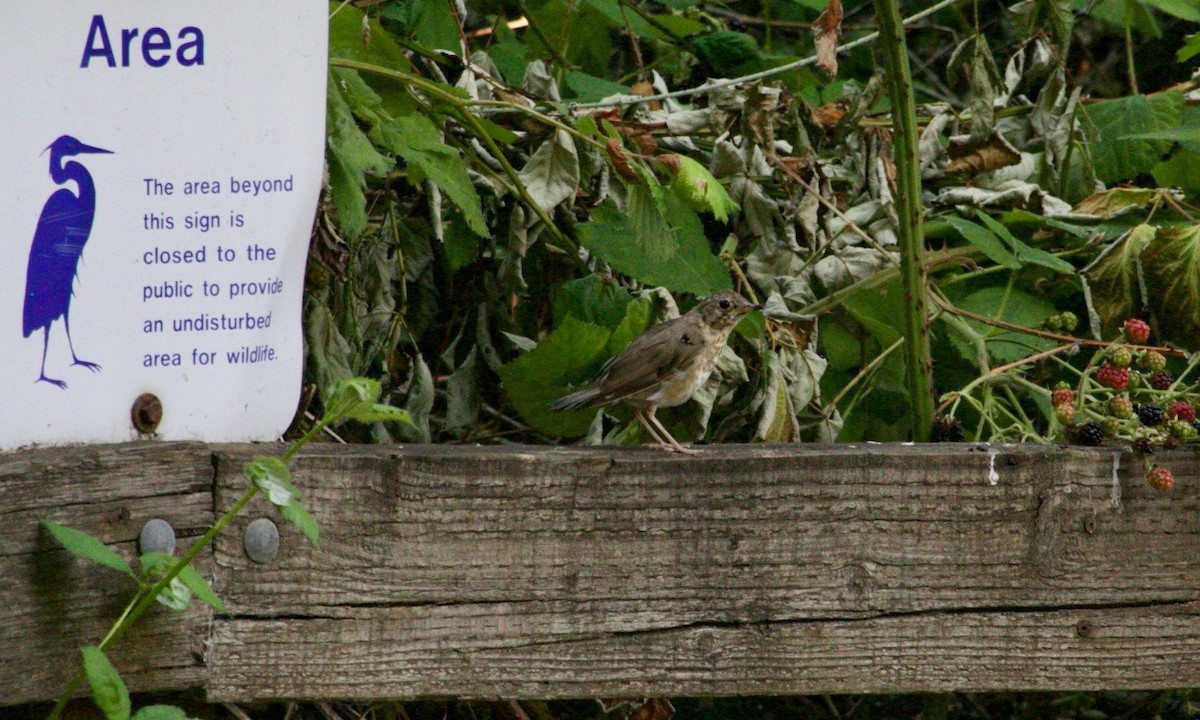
(161, 167)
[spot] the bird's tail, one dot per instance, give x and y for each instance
(578, 399)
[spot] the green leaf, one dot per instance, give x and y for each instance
(986, 241)
(1183, 133)
(700, 190)
(1019, 308)
(348, 394)
(378, 412)
(271, 475)
(160, 712)
(729, 52)
(552, 173)
(635, 322)
(87, 547)
(1182, 9)
(1116, 155)
(198, 585)
(351, 157)
(1024, 251)
(589, 88)
(1181, 170)
(346, 39)
(108, 689)
(295, 513)
(592, 299)
(1113, 276)
(175, 595)
(416, 139)
(565, 359)
(692, 268)
(1191, 47)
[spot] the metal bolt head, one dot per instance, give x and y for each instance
(157, 536)
(146, 413)
(261, 540)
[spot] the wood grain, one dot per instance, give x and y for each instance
(534, 572)
(52, 603)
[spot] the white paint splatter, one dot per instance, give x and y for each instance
(993, 476)
(1116, 480)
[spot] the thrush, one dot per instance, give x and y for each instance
(664, 366)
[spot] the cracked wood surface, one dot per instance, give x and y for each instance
(52, 603)
(538, 572)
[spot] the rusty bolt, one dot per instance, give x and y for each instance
(146, 413)
(1084, 628)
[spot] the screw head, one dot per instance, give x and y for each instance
(261, 540)
(157, 536)
(146, 413)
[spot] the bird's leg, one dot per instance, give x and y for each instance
(42, 376)
(674, 444)
(89, 365)
(653, 433)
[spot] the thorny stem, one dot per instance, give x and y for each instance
(917, 359)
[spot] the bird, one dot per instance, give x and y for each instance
(665, 365)
(62, 231)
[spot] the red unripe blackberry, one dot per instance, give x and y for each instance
(1113, 377)
(1062, 396)
(1162, 380)
(1181, 411)
(1137, 330)
(1160, 478)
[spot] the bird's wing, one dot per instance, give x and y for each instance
(652, 356)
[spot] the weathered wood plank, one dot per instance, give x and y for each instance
(51, 603)
(560, 573)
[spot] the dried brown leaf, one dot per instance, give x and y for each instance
(620, 161)
(827, 28)
(973, 158)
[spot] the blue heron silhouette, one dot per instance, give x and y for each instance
(62, 231)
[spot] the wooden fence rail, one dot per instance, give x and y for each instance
(529, 572)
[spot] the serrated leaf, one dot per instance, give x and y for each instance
(108, 689)
(1182, 170)
(350, 394)
(1113, 276)
(271, 476)
(295, 513)
(1182, 9)
(700, 190)
(1024, 251)
(1171, 263)
(160, 712)
(564, 360)
(729, 52)
(346, 38)
(415, 138)
(87, 547)
(1113, 123)
(985, 240)
(693, 268)
(552, 173)
(378, 412)
(200, 587)
(592, 299)
(352, 157)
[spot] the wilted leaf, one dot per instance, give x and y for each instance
(826, 30)
(1113, 276)
(1111, 203)
(1172, 265)
(973, 158)
(564, 360)
(552, 174)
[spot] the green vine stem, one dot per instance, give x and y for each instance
(918, 362)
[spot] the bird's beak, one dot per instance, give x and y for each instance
(89, 149)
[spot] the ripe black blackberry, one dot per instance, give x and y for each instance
(1142, 447)
(947, 429)
(1161, 380)
(1089, 434)
(1150, 414)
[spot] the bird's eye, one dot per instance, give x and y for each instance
(724, 304)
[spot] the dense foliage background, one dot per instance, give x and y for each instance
(506, 209)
